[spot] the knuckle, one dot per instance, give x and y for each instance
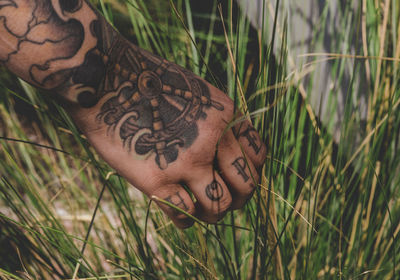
(248, 191)
(245, 193)
(221, 206)
(177, 204)
(190, 209)
(184, 224)
(250, 194)
(260, 158)
(217, 210)
(155, 184)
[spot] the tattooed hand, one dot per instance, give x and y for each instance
(157, 124)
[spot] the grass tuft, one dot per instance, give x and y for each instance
(327, 207)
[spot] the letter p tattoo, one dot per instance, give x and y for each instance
(240, 165)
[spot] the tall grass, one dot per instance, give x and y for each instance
(328, 207)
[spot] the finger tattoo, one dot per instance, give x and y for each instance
(214, 191)
(252, 137)
(240, 165)
(177, 200)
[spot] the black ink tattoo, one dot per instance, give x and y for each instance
(252, 137)
(156, 108)
(240, 165)
(54, 34)
(177, 200)
(214, 191)
(151, 104)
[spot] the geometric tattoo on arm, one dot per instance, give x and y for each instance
(252, 137)
(65, 45)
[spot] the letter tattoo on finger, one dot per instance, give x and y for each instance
(177, 200)
(252, 137)
(254, 141)
(240, 165)
(214, 191)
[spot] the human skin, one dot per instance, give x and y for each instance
(157, 124)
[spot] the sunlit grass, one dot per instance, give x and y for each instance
(328, 206)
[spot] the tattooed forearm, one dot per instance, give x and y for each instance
(214, 191)
(43, 41)
(177, 200)
(65, 45)
(241, 167)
